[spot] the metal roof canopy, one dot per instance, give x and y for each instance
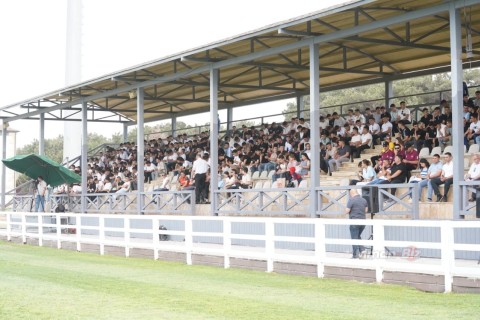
(360, 42)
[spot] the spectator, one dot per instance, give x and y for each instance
(434, 171)
(304, 165)
(445, 178)
(356, 209)
(404, 114)
(366, 174)
(411, 158)
(473, 173)
(342, 155)
(397, 174)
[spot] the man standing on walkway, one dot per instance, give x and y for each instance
(356, 209)
(40, 197)
(199, 174)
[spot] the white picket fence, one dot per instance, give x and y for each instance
(142, 232)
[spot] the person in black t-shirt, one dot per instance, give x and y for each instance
(431, 136)
(426, 117)
(418, 135)
(398, 174)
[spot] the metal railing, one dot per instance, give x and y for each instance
(468, 208)
(332, 200)
(286, 201)
(143, 232)
(157, 202)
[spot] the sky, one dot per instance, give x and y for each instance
(118, 34)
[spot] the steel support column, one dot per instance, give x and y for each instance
(84, 160)
(41, 136)
(388, 93)
(174, 126)
(140, 148)
(125, 132)
(300, 107)
(457, 106)
(229, 120)
(4, 169)
(314, 126)
(213, 137)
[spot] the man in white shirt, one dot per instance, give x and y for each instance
(365, 141)
(404, 114)
(386, 129)
(199, 174)
(149, 169)
(323, 124)
(41, 190)
(339, 121)
(445, 178)
(474, 173)
(374, 130)
(359, 116)
(355, 142)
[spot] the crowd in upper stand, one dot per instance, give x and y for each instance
(284, 151)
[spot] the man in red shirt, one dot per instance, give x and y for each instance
(411, 158)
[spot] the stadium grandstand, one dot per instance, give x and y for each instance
(277, 62)
(408, 161)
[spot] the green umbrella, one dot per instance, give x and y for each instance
(34, 165)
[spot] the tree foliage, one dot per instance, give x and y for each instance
(414, 91)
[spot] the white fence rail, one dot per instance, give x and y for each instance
(144, 232)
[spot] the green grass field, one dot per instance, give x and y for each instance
(45, 283)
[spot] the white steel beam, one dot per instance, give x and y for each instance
(84, 155)
(41, 137)
(140, 149)
(314, 127)
(213, 137)
(457, 106)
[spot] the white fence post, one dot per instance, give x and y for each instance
(269, 243)
(448, 253)
(188, 240)
(126, 234)
(40, 230)
(155, 235)
(9, 226)
(227, 242)
(24, 229)
(59, 231)
(378, 248)
(101, 233)
(320, 249)
(78, 231)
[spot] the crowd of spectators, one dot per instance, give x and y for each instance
(284, 150)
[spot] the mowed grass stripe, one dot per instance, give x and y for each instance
(45, 283)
